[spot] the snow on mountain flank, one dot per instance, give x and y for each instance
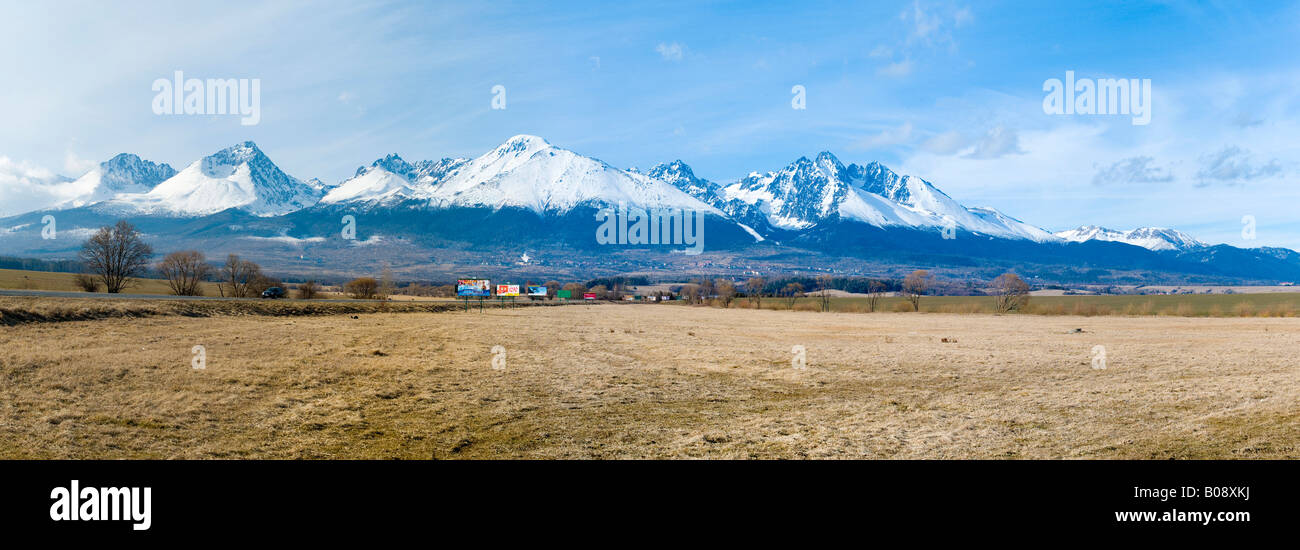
(528, 172)
(812, 191)
(124, 173)
(240, 177)
(392, 179)
(1151, 238)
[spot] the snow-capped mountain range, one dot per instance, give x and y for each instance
(239, 177)
(529, 173)
(1151, 238)
(525, 172)
(809, 192)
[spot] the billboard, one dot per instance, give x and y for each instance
(507, 290)
(564, 294)
(537, 291)
(589, 296)
(473, 287)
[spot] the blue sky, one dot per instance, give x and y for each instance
(948, 91)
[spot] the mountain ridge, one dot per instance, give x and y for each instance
(524, 171)
(527, 194)
(1151, 238)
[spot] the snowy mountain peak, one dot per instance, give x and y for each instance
(240, 176)
(393, 163)
(124, 173)
(809, 192)
(528, 172)
(678, 174)
(236, 154)
(825, 158)
(127, 173)
(430, 172)
(522, 143)
(674, 169)
(392, 179)
(878, 179)
(1151, 238)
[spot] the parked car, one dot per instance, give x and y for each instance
(273, 293)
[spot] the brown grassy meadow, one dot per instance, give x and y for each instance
(1272, 304)
(650, 381)
(66, 282)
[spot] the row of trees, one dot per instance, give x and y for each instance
(116, 255)
(1009, 291)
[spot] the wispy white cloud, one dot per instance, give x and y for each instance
(946, 143)
(670, 52)
(887, 137)
(73, 164)
(897, 69)
(1234, 165)
(997, 142)
(25, 186)
(1132, 170)
(933, 24)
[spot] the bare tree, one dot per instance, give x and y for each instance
(705, 289)
(364, 288)
(875, 289)
(754, 289)
(792, 292)
(692, 293)
(1010, 292)
(726, 291)
(261, 282)
(116, 254)
(185, 272)
(385, 283)
(241, 277)
(308, 290)
(915, 285)
(824, 291)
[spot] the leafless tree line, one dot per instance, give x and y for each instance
(115, 256)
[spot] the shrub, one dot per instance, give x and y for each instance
(86, 282)
(363, 288)
(308, 290)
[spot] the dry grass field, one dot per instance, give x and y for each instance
(651, 381)
(1276, 304)
(66, 282)
(30, 309)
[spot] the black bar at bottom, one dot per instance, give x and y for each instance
(309, 500)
